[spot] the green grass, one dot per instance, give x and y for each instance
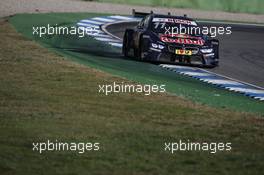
(97, 55)
(45, 96)
(237, 6)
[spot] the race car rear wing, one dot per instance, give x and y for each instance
(143, 14)
(140, 14)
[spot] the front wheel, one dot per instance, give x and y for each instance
(143, 49)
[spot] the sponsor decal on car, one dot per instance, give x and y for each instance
(175, 20)
(183, 52)
(168, 39)
(182, 36)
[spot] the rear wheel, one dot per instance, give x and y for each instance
(216, 51)
(127, 40)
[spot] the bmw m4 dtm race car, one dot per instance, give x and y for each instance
(170, 39)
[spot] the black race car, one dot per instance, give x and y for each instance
(170, 39)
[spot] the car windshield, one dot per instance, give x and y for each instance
(174, 26)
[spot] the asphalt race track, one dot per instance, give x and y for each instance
(241, 53)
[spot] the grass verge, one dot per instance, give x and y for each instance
(45, 96)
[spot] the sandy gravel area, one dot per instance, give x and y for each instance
(10, 7)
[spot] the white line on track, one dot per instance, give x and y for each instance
(116, 44)
(121, 17)
(99, 35)
(91, 21)
(107, 39)
(103, 19)
(88, 25)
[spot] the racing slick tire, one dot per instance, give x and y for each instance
(127, 42)
(143, 49)
(215, 46)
